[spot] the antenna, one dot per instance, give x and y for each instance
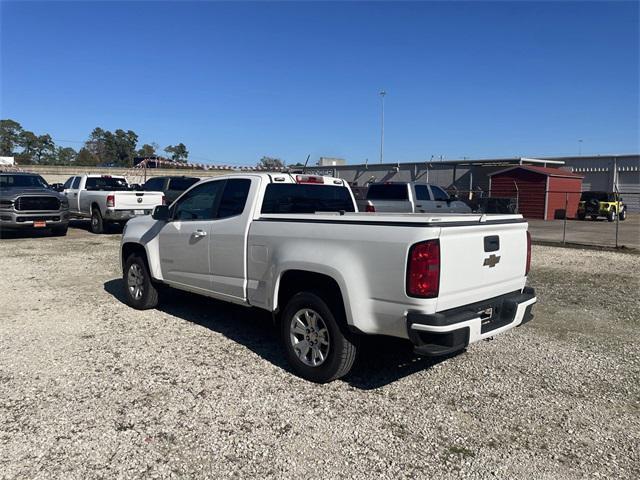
(305, 163)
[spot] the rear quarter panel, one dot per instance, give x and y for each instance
(367, 261)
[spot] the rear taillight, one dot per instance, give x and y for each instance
(528, 266)
(370, 208)
(111, 200)
(423, 270)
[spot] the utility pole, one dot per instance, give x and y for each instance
(382, 94)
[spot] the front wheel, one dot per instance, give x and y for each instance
(611, 216)
(317, 347)
(582, 216)
(141, 293)
(623, 214)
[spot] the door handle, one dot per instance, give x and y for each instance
(75, 194)
(418, 205)
(199, 233)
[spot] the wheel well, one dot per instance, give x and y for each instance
(295, 281)
(129, 248)
(95, 206)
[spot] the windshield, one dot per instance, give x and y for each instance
(106, 183)
(13, 181)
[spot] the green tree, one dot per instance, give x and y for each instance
(118, 148)
(28, 141)
(10, 131)
(65, 155)
(44, 149)
(86, 158)
(148, 150)
(178, 153)
(270, 163)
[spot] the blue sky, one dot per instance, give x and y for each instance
(236, 81)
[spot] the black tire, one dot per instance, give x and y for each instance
(582, 216)
(342, 345)
(623, 214)
(59, 231)
(147, 297)
(594, 217)
(611, 216)
(97, 224)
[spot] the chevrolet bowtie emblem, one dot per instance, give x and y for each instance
(491, 261)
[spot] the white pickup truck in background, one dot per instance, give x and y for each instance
(295, 246)
(107, 199)
(410, 197)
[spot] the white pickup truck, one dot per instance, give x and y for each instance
(107, 199)
(295, 246)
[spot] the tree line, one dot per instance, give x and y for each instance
(103, 147)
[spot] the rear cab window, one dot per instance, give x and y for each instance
(388, 191)
(439, 194)
(106, 183)
(304, 198)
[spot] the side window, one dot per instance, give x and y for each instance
(199, 203)
(234, 197)
(154, 184)
(422, 192)
(76, 183)
(439, 194)
(68, 183)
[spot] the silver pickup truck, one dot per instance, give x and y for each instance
(410, 197)
(107, 199)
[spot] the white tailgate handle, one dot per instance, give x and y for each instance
(199, 233)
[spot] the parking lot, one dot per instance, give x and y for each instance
(199, 389)
(598, 232)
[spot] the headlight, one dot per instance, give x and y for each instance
(6, 204)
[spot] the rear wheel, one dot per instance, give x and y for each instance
(582, 216)
(97, 224)
(623, 214)
(612, 216)
(594, 217)
(139, 288)
(316, 345)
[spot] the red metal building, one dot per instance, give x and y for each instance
(544, 193)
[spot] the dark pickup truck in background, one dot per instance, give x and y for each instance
(28, 202)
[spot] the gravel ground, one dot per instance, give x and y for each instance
(90, 388)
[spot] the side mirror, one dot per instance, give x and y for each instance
(58, 187)
(161, 212)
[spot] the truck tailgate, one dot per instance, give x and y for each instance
(480, 262)
(137, 200)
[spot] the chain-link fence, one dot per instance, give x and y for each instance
(586, 218)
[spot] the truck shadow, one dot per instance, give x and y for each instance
(382, 360)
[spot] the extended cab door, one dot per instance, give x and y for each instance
(184, 241)
(424, 201)
(229, 238)
(72, 190)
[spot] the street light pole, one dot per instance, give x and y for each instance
(382, 94)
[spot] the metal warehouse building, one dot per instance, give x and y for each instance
(601, 173)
